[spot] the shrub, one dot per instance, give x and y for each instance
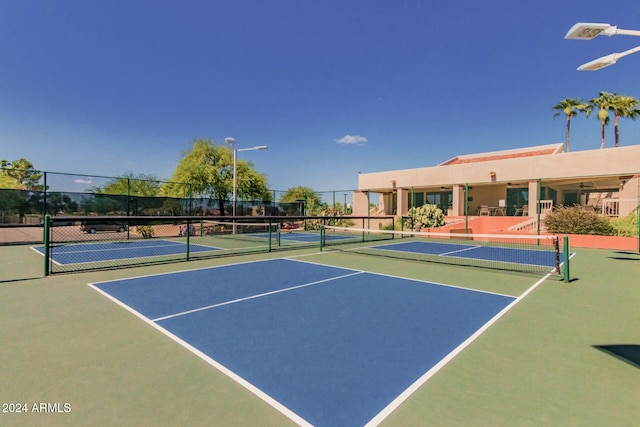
(627, 226)
(333, 218)
(145, 231)
(575, 220)
(426, 216)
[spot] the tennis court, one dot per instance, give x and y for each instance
(377, 333)
(324, 345)
(78, 253)
(536, 254)
(532, 257)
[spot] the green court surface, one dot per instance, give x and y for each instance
(566, 354)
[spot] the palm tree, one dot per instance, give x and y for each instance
(603, 102)
(622, 106)
(570, 107)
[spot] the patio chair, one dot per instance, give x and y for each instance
(484, 210)
(523, 211)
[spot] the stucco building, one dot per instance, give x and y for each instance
(510, 182)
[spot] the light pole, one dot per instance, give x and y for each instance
(231, 141)
(588, 31)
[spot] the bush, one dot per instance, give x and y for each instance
(333, 218)
(627, 226)
(575, 220)
(145, 231)
(426, 216)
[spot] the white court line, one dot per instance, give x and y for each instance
(459, 250)
(195, 310)
(235, 377)
(431, 372)
(409, 279)
(127, 247)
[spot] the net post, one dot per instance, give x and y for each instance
(278, 233)
(567, 277)
(270, 235)
(321, 237)
(45, 241)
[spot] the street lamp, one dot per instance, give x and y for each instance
(588, 31)
(231, 141)
(606, 60)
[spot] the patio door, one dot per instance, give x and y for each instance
(516, 198)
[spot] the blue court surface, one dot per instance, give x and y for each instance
(109, 251)
(326, 346)
(542, 258)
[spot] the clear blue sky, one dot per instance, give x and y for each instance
(332, 87)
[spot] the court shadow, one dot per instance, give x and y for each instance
(629, 353)
(626, 256)
(20, 280)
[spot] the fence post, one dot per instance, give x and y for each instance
(44, 199)
(188, 233)
(466, 208)
(47, 247)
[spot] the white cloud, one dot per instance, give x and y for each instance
(352, 140)
(89, 180)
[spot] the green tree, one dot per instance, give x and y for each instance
(251, 183)
(21, 174)
(8, 182)
(207, 171)
(131, 184)
(570, 108)
(622, 106)
(603, 103)
(60, 202)
(312, 201)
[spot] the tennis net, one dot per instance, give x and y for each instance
(83, 243)
(240, 229)
(525, 253)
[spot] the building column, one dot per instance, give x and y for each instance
(403, 201)
(458, 200)
(360, 203)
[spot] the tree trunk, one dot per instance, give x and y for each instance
(567, 134)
